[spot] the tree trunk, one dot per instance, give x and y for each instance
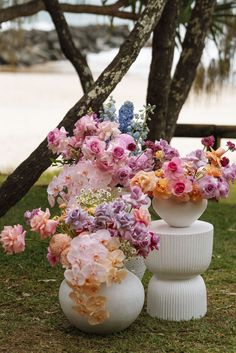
(190, 57)
(20, 181)
(160, 71)
(68, 47)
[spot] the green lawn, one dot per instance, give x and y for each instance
(31, 320)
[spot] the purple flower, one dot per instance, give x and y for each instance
(123, 221)
(208, 141)
(117, 206)
(123, 174)
(208, 187)
(136, 198)
(104, 216)
(197, 158)
(79, 219)
(168, 151)
(231, 146)
(223, 188)
(28, 215)
(229, 173)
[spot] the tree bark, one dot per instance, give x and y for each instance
(33, 7)
(68, 47)
(160, 71)
(20, 181)
(190, 57)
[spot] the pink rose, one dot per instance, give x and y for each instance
(173, 169)
(128, 142)
(182, 186)
(41, 224)
(57, 140)
(118, 152)
(13, 239)
(93, 147)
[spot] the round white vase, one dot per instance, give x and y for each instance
(177, 291)
(124, 303)
(179, 214)
(136, 265)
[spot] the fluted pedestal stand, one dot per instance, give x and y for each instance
(177, 291)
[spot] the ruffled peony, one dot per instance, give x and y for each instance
(41, 224)
(13, 239)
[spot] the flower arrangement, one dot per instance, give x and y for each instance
(91, 239)
(202, 174)
(103, 151)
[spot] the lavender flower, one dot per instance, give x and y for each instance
(104, 216)
(29, 215)
(229, 172)
(168, 151)
(79, 219)
(123, 221)
(136, 198)
(208, 187)
(197, 158)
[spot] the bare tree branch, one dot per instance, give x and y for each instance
(160, 71)
(32, 7)
(68, 47)
(190, 57)
(20, 181)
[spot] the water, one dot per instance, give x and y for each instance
(35, 101)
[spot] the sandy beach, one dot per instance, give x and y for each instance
(34, 101)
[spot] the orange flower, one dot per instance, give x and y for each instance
(195, 194)
(145, 180)
(213, 170)
(96, 303)
(116, 276)
(82, 310)
(162, 190)
(159, 173)
(215, 156)
(98, 317)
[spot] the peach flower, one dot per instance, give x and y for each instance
(116, 276)
(59, 243)
(142, 215)
(145, 180)
(41, 224)
(117, 257)
(215, 156)
(213, 171)
(13, 239)
(98, 317)
(162, 189)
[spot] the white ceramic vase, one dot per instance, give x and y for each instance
(177, 291)
(124, 303)
(136, 265)
(179, 214)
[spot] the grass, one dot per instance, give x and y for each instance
(31, 320)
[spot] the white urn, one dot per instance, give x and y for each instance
(124, 304)
(179, 214)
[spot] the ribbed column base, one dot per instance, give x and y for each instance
(177, 300)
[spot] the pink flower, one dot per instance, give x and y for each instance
(224, 161)
(118, 152)
(93, 147)
(85, 126)
(57, 140)
(108, 129)
(41, 224)
(13, 239)
(182, 186)
(127, 141)
(208, 141)
(142, 215)
(231, 146)
(53, 260)
(174, 168)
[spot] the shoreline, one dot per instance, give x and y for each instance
(33, 103)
